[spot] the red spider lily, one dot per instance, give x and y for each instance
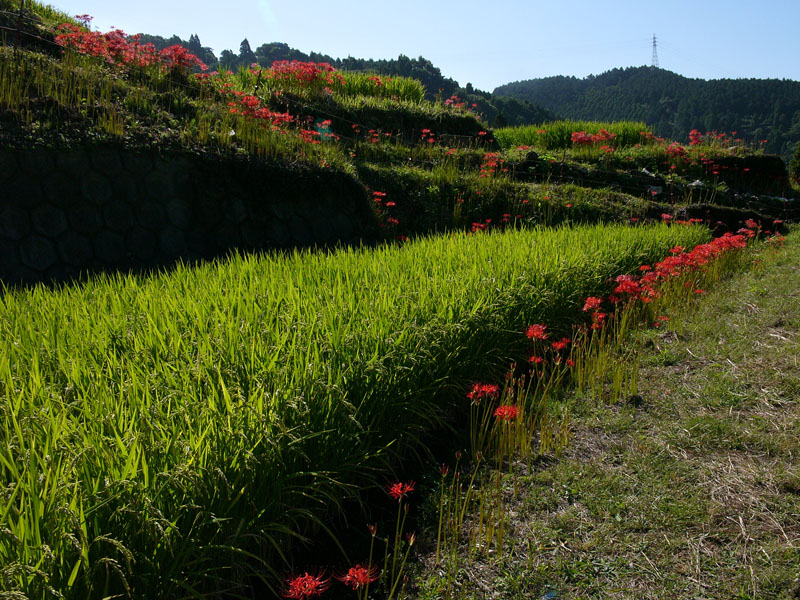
(581, 138)
(399, 490)
(303, 73)
(592, 303)
(373, 529)
(561, 344)
(597, 319)
(478, 226)
(751, 224)
(178, 57)
(310, 136)
(444, 469)
(626, 284)
(306, 586)
(506, 412)
(480, 391)
(119, 48)
(537, 331)
(490, 164)
(676, 152)
(570, 362)
(536, 360)
(411, 538)
(359, 577)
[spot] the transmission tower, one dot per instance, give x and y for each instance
(654, 64)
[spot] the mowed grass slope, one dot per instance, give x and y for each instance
(178, 430)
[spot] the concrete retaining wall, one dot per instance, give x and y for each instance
(72, 212)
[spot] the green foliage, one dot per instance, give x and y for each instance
(183, 428)
(557, 135)
(36, 13)
(794, 165)
(88, 100)
(756, 109)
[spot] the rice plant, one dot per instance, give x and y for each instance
(174, 434)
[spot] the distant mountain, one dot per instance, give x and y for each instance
(672, 105)
(497, 111)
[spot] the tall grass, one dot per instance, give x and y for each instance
(49, 15)
(395, 87)
(171, 435)
(557, 135)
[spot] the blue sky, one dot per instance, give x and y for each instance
(491, 43)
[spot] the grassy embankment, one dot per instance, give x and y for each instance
(689, 489)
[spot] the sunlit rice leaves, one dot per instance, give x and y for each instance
(557, 135)
(148, 422)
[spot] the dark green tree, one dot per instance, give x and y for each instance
(228, 60)
(246, 56)
(794, 165)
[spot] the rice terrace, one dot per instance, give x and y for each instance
(283, 325)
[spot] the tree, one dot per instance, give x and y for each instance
(246, 55)
(794, 165)
(227, 59)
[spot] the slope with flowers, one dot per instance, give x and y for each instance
(194, 432)
(437, 163)
(684, 487)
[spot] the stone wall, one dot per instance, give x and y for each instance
(67, 213)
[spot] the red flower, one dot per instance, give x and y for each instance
(536, 360)
(561, 344)
(537, 332)
(483, 390)
(592, 303)
(506, 412)
(398, 490)
(358, 576)
(306, 586)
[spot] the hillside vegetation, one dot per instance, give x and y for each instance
(200, 431)
(753, 109)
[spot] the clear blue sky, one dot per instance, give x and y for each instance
(491, 43)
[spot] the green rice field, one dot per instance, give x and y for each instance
(184, 427)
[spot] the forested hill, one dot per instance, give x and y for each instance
(496, 110)
(672, 105)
